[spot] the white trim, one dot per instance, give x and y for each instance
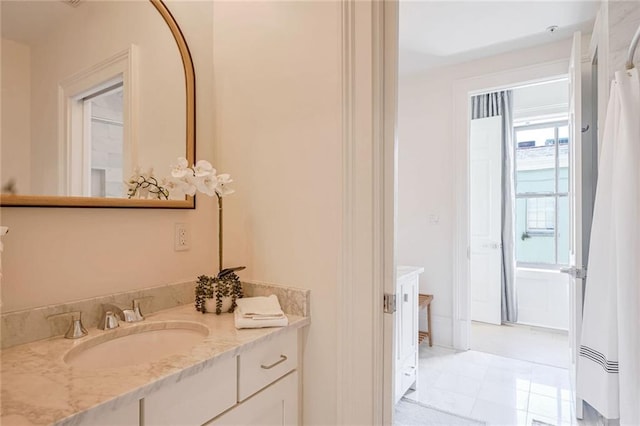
(462, 89)
(386, 183)
(368, 193)
(540, 110)
(80, 143)
(599, 50)
(346, 280)
(378, 197)
(72, 88)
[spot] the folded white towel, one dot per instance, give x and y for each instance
(260, 307)
(243, 322)
(259, 312)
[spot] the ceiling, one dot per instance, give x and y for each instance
(436, 33)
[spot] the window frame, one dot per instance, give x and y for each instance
(556, 195)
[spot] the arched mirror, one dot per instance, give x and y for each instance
(91, 92)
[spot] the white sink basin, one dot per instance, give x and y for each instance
(138, 344)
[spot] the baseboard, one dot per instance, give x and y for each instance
(441, 328)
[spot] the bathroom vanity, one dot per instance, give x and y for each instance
(406, 342)
(230, 376)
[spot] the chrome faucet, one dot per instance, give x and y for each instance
(136, 309)
(109, 321)
(76, 329)
(112, 314)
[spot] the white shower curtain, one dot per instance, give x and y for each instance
(609, 362)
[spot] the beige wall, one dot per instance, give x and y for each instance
(426, 166)
(57, 255)
(16, 109)
(278, 132)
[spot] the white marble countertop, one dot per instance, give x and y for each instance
(39, 388)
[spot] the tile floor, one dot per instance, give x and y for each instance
(492, 388)
(412, 413)
(498, 340)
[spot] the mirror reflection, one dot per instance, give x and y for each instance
(90, 91)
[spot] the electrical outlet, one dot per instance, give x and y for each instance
(181, 239)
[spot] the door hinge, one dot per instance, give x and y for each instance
(579, 273)
(389, 303)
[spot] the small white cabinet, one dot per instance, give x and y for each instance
(406, 341)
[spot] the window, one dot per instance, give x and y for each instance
(541, 218)
(98, 127)
(104, 139)
(542, 207)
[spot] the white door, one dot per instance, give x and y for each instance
(485, 217)
(575, 202)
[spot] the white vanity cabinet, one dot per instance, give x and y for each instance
(257, 387)
(275, 405)
(127, 415)
(267, 385)
(406, 341)
(193, 400)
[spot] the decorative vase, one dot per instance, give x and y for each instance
(210, 304)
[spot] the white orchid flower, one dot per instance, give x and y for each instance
(221, 188)
(174, 186)
(179, 187)
(203, 168)
(181, 169)
(187, 184)
(207, 185)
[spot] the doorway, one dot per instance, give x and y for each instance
(468, 383)
(519, 222)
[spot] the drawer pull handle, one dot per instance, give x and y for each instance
(283, 358)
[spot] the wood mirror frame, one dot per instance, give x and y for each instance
(16, 200)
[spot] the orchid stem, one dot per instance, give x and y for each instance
(219, 233)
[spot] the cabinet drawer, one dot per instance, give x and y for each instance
(193, 400)
(265, 363)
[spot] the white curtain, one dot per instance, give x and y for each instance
(490, 105)
(609, 362)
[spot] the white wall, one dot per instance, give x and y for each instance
(623, 20)
(538, 100)
(426, 165)
(278, 132)
(543, 298)
(16, 109)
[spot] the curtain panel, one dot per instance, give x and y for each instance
(491, 105)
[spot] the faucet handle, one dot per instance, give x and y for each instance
(76, 329)
(136, 307)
